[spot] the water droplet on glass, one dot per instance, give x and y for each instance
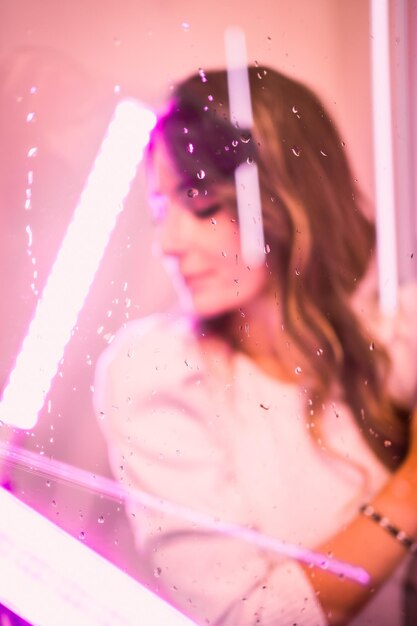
(297, 272)
(213, 221)
(249, 160)
(201, 174)
(82, 535)
(319, 352)
(109, 337)
(267, 248)
(294, 109)
(298, 370)
(323, 153)
(235, 143)
(185, 26)
(192, 193)
(30, 116)
(29, 233)
(245, 138)
(100, 519)
(296, 150)
(157, 572)
(116, 89)
(190, 148)
(202, 75)
(210, 98)
(372, 346)
(32, 152)
(387, 443)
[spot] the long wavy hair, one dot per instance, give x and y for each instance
(319, 238)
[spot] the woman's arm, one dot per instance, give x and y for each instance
(365, 543)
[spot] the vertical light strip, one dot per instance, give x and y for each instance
(383, 157)
(246, 174)
(76, 264)
(404, 167)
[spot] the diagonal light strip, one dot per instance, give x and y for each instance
(76, 264)
(48, 577)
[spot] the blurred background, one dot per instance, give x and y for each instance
(63, 67)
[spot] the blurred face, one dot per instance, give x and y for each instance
(198, 234)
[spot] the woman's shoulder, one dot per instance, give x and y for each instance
(155, 330)
(154, 343)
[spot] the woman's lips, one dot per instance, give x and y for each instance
(193, 280)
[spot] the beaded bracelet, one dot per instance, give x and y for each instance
(385, 523)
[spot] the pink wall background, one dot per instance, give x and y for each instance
(75, 53)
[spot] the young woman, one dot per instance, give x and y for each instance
(271, 401)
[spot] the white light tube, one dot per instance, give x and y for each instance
(76, 264)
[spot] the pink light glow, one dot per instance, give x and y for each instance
(246, 175)
(104, 486)
(76, 264)
(47, 577)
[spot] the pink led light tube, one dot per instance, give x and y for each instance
(76, 264)
(102, 485)
(48, 578)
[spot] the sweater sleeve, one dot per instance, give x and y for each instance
(164, 432)
(396, 332)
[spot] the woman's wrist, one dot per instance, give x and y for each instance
(407, 542)
(398, 500)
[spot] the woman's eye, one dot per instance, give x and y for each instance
(207, 211)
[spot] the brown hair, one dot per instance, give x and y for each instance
(320, 240)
